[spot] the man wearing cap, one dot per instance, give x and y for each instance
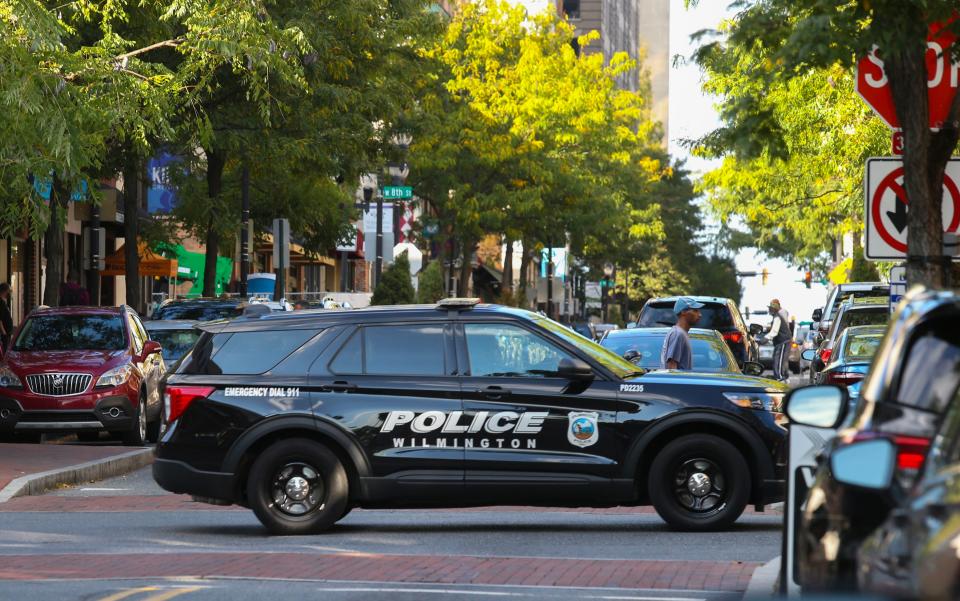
(779, 330)
(676, 352)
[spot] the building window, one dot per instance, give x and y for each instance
(571, 9)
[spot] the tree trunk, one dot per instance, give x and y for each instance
(215, 164)
(524, 274)
(925, 157)
(53, 243)
(466, 268)
(131, 227)
(506, 285)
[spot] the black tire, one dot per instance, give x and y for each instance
(679, 467)
(155, 428)
(136, 436)
(324, 484)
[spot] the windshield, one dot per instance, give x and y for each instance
(615, 363)
(864, 316)
(713, 316)
(710, 354)
(175, 343)
(72, 333)
(198, 311)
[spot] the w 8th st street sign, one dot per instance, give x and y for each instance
(887, 207)
(943, 79)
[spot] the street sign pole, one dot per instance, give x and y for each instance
(281, 254)
(379, 265)
(244, 234)
(898, 285)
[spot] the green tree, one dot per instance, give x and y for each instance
(862, 270)
(430, 284)
(786, 40)
(395, 287)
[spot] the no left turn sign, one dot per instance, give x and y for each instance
(887, 207)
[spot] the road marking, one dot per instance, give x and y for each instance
(129, 593)
(101, 489)
(166, 596)
(447, 591)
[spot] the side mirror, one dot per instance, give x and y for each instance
(868, 464)
(809, 355)
(756, 329)
(752, 368)
(631, 355)
(574, 369)
(151, 347)
(817, 406)
(817, 314)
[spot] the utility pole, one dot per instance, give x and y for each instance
(244, 233)
(93, 276)
(549, 280)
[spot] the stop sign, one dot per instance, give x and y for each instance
(942, 80)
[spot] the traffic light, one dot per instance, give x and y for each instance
(763, 275)
(807, 278)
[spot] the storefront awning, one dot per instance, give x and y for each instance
(151, 264)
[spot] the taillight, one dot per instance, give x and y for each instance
(911, 450)
(825, 355)
(734, 337)
(843, 378)
(176, 399)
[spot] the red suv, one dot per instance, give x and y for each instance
(83, 370)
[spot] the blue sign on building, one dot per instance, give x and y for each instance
(161, 194)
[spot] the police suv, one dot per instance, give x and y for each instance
(303, 416)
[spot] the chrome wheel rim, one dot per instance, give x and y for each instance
(142, 421)
(297, 489)
(700, 486)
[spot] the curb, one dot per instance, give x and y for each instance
(99, 469)
(763, 583)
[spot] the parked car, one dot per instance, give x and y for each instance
(823, 318)
(585, 329)
(800, 332)
(765, 349)
(710, 352)
(809, 342)
(721, 314)
(862, 311)
(82, 370)
(850, 360)
(912, 382)
(199, 309)
(176, 336)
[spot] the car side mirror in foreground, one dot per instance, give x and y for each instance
(752, 368)
(809, 355)
(574, 369)
(756, 329)
(868, 464)
(817, 406)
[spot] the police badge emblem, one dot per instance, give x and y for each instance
(583, 430)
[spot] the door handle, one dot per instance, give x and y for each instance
(340, 386)
(494, 392)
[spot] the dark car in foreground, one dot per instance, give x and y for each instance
(720, 314)
(199, 309)
(912, 381)
(176, 336)
(710, 353)
(81, 370)
(302, 416)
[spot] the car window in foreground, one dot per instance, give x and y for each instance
(175, 343)
(72, 333)
(612, 361)
(247, 353)
(404, 350)
(507, 350)
(932, 371)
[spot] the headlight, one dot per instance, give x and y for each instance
(115, 377)
(8, 379)
(761, 401)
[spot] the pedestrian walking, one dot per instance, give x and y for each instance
(6, 318)
(677, 352)
(779, 331)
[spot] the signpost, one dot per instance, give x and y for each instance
(898, 285)
(887, 206)
(281, 254)
(397, 192)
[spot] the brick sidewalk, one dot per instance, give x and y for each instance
(426, 569)
(18, 460)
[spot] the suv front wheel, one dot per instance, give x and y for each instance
(297, 486)
(699, 482)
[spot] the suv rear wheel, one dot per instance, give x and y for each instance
(297, 486)
(699, 482)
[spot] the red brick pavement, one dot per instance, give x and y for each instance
(689, 575)
(20, 459)
(167, 502)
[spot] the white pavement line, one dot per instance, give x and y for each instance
(764, 580)
(98, 469)
(460, 591)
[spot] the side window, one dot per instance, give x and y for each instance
(349, 359)
(248, 353)
(135, 335)
(510, 351)
(404, 350)
(932, 370)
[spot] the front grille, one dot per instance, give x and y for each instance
(58, 384)
(58, 416)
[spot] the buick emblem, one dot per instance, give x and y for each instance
(58, 381)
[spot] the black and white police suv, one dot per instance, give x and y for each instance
(303, 416)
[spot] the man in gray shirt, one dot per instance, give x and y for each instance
(677, 352)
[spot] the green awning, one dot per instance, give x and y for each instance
(190, 267)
